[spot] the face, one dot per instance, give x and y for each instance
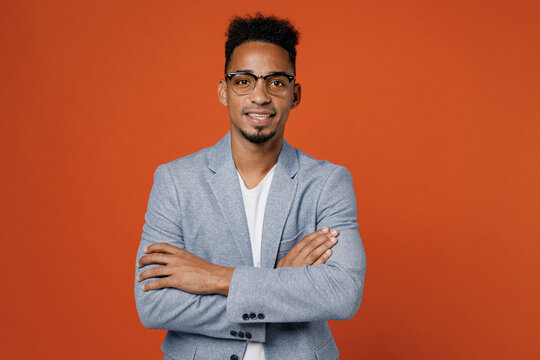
(259, 116)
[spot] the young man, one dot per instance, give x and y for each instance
(240, 257)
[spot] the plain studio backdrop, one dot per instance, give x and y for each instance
(432, 105)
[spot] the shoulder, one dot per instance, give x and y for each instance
(188, 165)
(187, 170)
(312, 169)
(199, 163)
(329, 185)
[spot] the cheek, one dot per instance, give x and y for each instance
(234, 104)
(286, 105)
(290, 100)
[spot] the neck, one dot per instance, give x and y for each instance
(253, 161)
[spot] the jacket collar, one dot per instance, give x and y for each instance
(220, 155)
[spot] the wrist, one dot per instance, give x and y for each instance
(223, 276)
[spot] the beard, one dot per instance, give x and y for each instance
(258, 137)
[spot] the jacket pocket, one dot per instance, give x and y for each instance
(287, 244)
(176, 347)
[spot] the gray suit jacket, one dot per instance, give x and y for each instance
(196, 204)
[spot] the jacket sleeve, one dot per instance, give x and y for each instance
(171, 308)
(330, 291)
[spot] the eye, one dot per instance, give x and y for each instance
(277, 83)
(242, 82)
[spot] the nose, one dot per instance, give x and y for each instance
(259, 95)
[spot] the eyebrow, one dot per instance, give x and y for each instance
(270, 73)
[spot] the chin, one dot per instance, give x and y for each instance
(259, 136)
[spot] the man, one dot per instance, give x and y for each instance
(246, 231)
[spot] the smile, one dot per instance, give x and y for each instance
(259, 116)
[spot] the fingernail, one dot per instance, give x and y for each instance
(139, 277)
(334, 232)
(325, 230)
(143, 287)
(333, 239)
(146, 249)
(328, 252)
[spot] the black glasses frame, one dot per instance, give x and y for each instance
(257, 77)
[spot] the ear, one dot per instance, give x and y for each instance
(297, 95)
(222, 92)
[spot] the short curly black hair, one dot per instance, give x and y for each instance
(268, 29)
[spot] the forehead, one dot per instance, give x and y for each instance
(260, 57)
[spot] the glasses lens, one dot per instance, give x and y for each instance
(277, 84)
(243, 84)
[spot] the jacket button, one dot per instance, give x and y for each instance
(245, 316)
(233, 333)
(248, 335)
(252, 315)
(234, 357)
(240, 335)
(260, 316)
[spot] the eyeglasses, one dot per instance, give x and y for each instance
(276, 83)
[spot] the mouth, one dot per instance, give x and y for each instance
(259, 118)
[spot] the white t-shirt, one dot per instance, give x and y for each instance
(255, 203)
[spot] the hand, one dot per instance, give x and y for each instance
(183, 270)
(313, 249)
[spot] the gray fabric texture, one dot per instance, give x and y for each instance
(196, 204)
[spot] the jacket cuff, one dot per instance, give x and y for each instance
(244, 301)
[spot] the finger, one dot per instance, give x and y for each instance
(162, 248)
(156, 284)
(315, 243)
(309, 238)
(155, 258)
(322, 259)
(317, 235)
(319, 250)
(155, 272)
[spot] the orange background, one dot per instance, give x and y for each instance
(432, 105)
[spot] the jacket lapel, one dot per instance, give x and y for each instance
(278, 204)
(226, 188)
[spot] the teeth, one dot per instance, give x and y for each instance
(259, 116)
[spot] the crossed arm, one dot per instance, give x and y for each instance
(186, 293)
(188, 272)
